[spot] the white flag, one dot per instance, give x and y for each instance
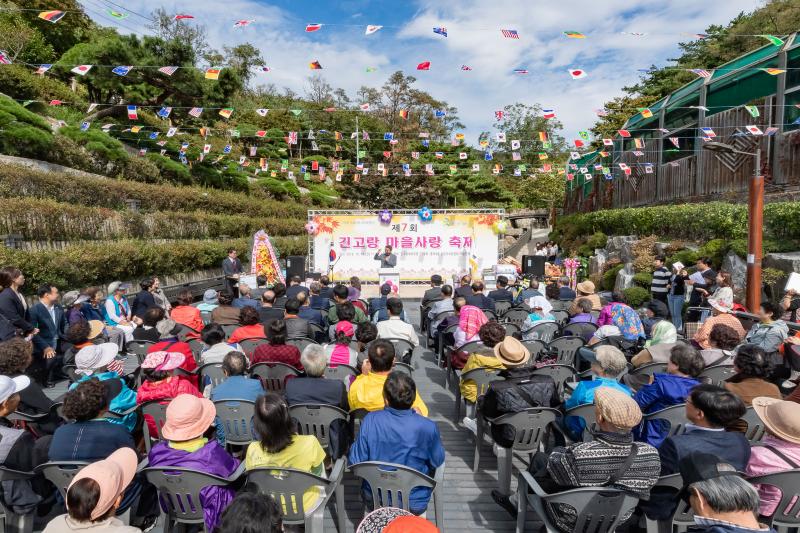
(372, 29)
(515, 145)
(171, 132)
(262, 112)
(206, 148)
(92, 107)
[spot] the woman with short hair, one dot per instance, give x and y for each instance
(276, 350)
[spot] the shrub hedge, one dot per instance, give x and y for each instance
(696, 222)
(46, 220)
(18, 181)
(85, 264)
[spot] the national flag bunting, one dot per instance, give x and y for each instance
(81, 70)
(777, 41)
(404, 114)
(773, 71)
(441, 30)
(133, 114)
(262, 112)
(466, 67)
(510, 34)
(372, 29)
(548, 113)
(313, 27)
(703, 73)
(520, 71)
(226, 112)
(646, 113)
(117, 15)
(196, 112)
(425, 65)
(43, 68)
(754, 130)
(4, 59)
(574, 35)
(164, 112)
(577, 73)
(121, 70)
(315, 65)
(51, 16)
(753, 110)
(498, 115)
(624, 133)
(213, 73)
(183, 17)
(543, 136)
(169, 71)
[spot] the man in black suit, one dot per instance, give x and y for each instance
(325, 291)
(564, 290)
(314, 388)
(268, 311)
(296, 326)
(376, 304)
(478, 299)
(232, 269)
(464, 290)
(435, 292)
(48, 316)
(501, 293)
(295, 288)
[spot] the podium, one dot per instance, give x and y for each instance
(389, 275)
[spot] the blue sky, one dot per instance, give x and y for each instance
(609, 57)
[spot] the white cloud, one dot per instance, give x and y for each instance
(610, 59)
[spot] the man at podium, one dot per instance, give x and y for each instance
(387, 259)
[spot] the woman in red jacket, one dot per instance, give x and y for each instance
(185, 314)
(160, 384)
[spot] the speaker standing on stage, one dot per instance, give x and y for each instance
(232, 269)
(388, 259)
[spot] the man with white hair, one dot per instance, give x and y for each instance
(237, 385)
(314, 388)
(722, 501)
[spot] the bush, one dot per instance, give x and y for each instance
(16, 181)
(636, 296)
(703, 221)
(597, 240)
(610, 277)
(82, 265)
(715, 249)
(644, 253)
(643, 279)
(47, 220)
(687, 257)
(171, 171)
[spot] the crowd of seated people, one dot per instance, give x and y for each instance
(630, 447)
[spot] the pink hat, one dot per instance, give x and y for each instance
(188, 417)
(112, 475)
(164, 361)
(345, 327)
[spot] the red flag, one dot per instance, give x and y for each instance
(313, 27)
(182, 17)
(425, 65)
(624, 133)
(578, 143)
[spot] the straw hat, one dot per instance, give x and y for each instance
(617, 407)
(511, 352)
(781, 417)
(585, 287)
(95, 329)
(112, 475)
(188, 417)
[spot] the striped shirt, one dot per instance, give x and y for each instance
(661, 278)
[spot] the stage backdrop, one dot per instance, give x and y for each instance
(455, 241)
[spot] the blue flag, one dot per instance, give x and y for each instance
(154, 135)
(488, 156)
(85, 126)
(121, 71)
(439, 113)
(388, 136)
(425, 143)
(164, 112)
(441, 30)
(227, 149)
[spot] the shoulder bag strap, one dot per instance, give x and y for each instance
(525, 396)
(782, 455)
(623, 468)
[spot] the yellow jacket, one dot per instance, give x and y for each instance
(366, 392)
(469, 390)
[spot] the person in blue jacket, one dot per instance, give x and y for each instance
(608, 365)
(685, 365)
(100, 361)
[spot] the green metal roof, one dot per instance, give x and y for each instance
(745, 60)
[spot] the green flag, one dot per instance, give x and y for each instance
(777, 41)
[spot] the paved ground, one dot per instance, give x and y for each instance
(468, 505)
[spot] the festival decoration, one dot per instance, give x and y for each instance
(425, 214)
(574, 35)
(571, 267)
(372, 29)
(312, 228)
(315, 65)
(777, 41)
(385, 216)
(440, 30)
(264, 260)
(500, 227)
(213, 73)
(313, 27)
(577, 73)
(81, 70)
(425, 65)
(51, 16)
(510, 34)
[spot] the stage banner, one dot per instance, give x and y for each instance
(452, 242)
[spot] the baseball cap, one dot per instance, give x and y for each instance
(10, 386)
(699, 466)
(345, 327)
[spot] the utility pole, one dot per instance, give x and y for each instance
(755, 211)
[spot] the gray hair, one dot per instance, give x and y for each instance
(564, 280)
(244, 289)
(314, 360)
(315, 287)
(534, 284)
(728, 494)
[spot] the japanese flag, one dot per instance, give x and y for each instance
(81, 70)
(577, 73)
(608, 142)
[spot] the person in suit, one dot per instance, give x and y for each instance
(325, 291)
(464, 290)
(13, 306)
(387, 259)
(261, 286)
(49, 318)
(478, 299)
(377, 304)
(311, 314)
(144, 299)
(296, 326)
(232, 269)
(564, 290)
(268, 311)
(295, 288)
(501, 293)
(316, 300)
(709, 409)
(314, 388)
(245, 298)
(433, 294)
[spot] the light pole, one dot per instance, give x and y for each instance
(755, 223)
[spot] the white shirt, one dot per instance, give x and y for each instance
(394, 328)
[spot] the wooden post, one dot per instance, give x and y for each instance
(755, 218)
